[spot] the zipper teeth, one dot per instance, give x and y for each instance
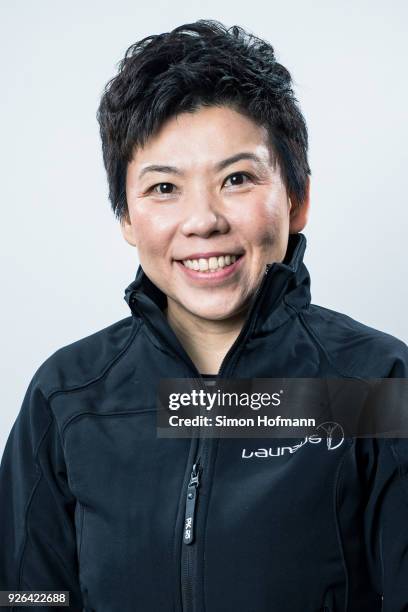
(248, 323)
(188, 582)
(190, 553)
(199, 461)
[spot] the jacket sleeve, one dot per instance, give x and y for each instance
(387, 506)
(37, 508)
(387, 524)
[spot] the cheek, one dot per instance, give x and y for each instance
(153, 231)
(266, 222)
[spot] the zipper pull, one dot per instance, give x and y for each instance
(192, 494)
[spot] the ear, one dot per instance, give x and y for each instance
(299, 212)
(127, 229)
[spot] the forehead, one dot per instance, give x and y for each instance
(202, 138)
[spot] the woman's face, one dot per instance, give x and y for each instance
(202, 192)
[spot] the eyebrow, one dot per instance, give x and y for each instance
(235, 158)
(218, 166)
(159, 168)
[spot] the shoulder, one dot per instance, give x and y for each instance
(87, 359)
(355, 348)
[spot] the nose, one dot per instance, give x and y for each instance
(203, 215)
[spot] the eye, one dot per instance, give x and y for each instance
(237, 178)
(164, 188)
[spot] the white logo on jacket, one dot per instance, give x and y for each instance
(334, 438)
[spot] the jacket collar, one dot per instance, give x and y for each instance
(285, 288)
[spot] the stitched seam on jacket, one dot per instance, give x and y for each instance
(394, 453)
(337, 521)
(32, 495)
(99, 414)
(320, 345)
(52, 417)
(81, 529)
(401, 478)
(104, 373)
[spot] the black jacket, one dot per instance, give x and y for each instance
(93, 502)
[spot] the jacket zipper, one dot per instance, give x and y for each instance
(248, 325)
(189, 542)
(192, 492)
(188, 554)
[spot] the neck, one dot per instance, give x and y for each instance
(206, 341)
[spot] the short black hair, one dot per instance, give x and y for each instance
(200, 64)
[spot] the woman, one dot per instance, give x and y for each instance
(206, 155)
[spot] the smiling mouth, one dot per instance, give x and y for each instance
(211, 264)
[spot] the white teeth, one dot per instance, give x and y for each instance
(203, 263)
(211, 264)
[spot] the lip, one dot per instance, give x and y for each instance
(208, 255)
(208, 278)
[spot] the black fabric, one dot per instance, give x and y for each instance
(94, 502)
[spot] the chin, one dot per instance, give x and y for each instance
(212, 313)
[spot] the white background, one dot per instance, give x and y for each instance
(64, 263)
